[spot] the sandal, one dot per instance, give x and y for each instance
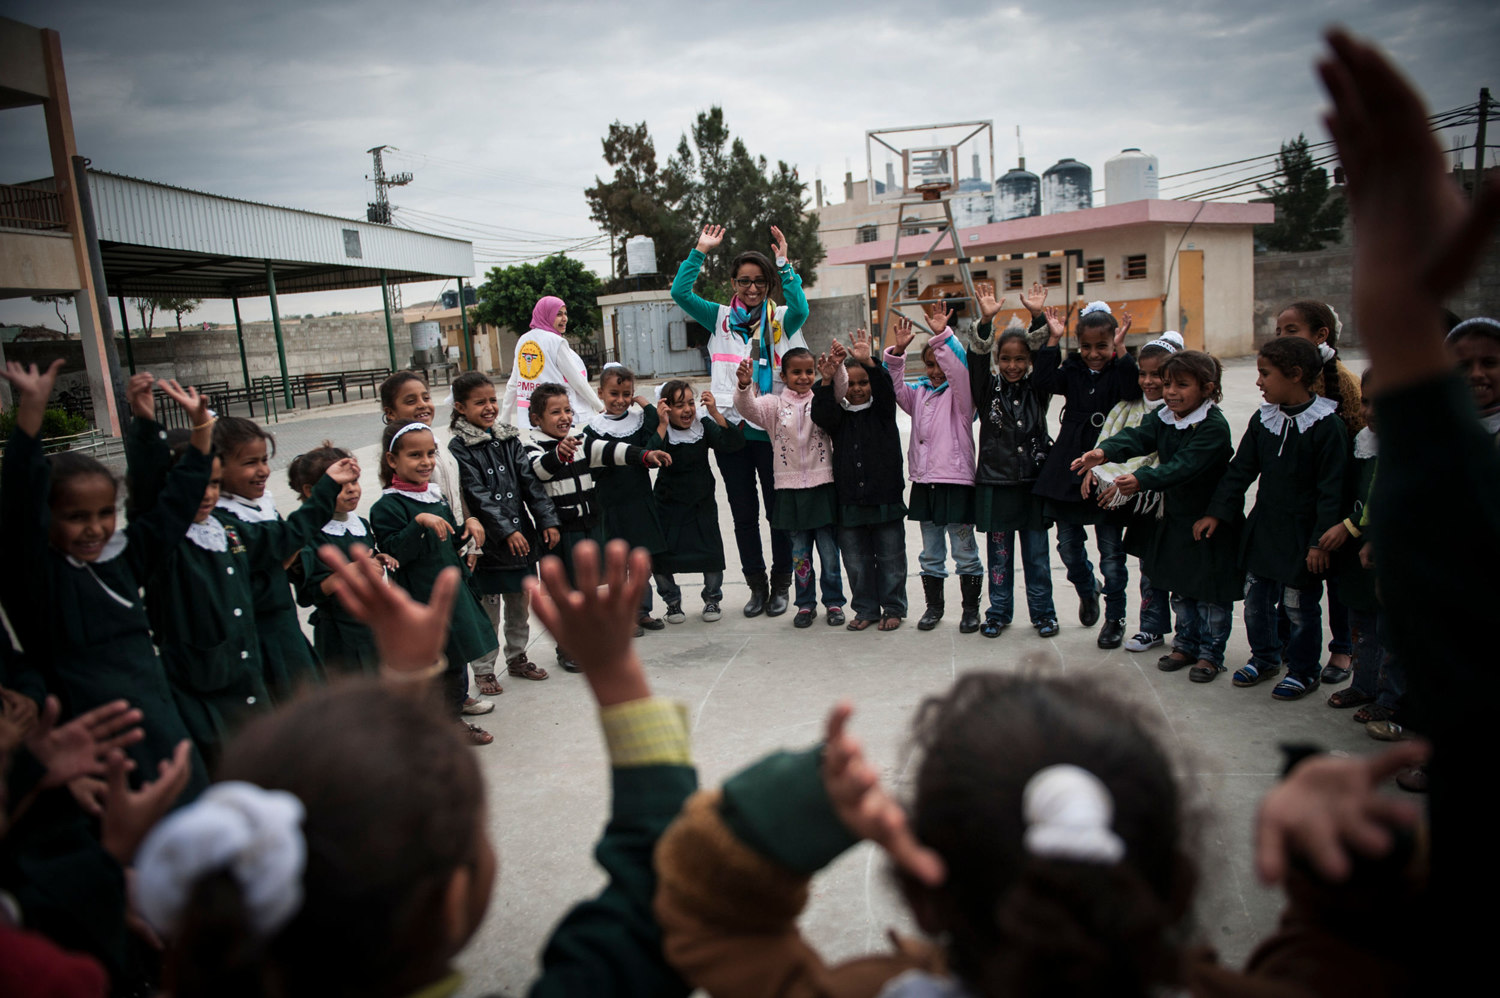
(524, 668)
(1292, 688)
(858, 624)
(489, 685)
(1344, 699)
(477, 735)
(1249, 675)
(889, 623)
(1373, 712)
(1205, 672)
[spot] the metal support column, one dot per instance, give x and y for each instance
(390, 329)
(463, 314)
(125, 328)
(239, 333)
(286, 380)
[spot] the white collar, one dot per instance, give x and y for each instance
(691, 435)
(857, 408)
(1273, 417)
(430, 494)
(1491, 421)
(262, 510)
(618, 426)
(1366, 444)
(1325, 352)
(112, 550)
(209, 535)
(1171, 418)
(350, 524)
(1155, 405)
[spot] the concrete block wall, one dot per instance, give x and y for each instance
(838, 316)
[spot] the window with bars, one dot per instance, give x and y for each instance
(869, 233)
(1093, 271)
(1013, 279)
(1135, 267)
(1052, 275)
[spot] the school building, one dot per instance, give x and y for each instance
(1184, 265)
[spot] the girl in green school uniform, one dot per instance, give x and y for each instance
(287, 660)
(72, 591)
(685, 495)
(343, 643)
(414, 525)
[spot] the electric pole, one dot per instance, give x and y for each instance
(379, 210)
(1484, 114)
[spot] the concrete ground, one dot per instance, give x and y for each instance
(752, 686)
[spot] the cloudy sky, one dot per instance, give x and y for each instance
(498, 108)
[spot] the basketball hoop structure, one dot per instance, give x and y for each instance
(930, 159)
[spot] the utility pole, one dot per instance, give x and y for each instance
(1484, 114)
(379, 210)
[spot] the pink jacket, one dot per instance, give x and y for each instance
(942, 421)
(802, 454)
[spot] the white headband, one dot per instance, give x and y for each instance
(1068, 812)
(253, 834)
(1171, 341)
(391, 449)
(1095, 306)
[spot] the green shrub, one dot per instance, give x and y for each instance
(55, 423)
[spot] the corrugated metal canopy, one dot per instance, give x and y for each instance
(161, 240)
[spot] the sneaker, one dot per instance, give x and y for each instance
(650, 623)
(1144, 641)
(711, 612)
(804, 618)
(992, 628)
(835, 616)
(472, 706)
(674, 613)
(1047, 628)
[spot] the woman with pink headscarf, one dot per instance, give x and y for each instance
(544, 355)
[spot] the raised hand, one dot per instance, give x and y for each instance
(710, 238)
(129, 814)
(744, 373)
(1055, 326)
(989, 306)
(434, 523)
(709, 403)
(192, 403)
(1034, 299)
(138, 392)
(663, 411)
(35, 388)
(81, 747)
(860, 346)
(866, 808)
(938, 318)
(344, 471)
(901, 333)
(827, 367)
(778, 246)
(1121, 332)
(410, 635)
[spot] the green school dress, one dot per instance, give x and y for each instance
(83, 625)
(343, 643)
(422, 556)
(685, 496)
(1194, 452)
(1357, 583)
(287, 659)
(623, 494)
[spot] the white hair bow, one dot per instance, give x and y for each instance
(1095, 306)
(1068, 813)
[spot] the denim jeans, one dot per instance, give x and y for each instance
(1377, 673)
(1156, 608)
(1110, 538)
(875, 557)
(935, 543)
(1299, 653)
(1001, 547)
(825, 539)
(740, 469)
(671, 592)
(1339, 640)
(1202, 628)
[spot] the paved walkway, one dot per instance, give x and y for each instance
(755, 685)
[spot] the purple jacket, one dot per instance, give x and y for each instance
(942, 421)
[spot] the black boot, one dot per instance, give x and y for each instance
(932, 588)
(759, 591)
(781, 584)
(970, 587)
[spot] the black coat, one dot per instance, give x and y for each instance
(1013, 437)
(867, 466)
(504, 494)
(1088, 398)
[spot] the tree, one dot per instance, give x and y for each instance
(57, 302)
(1307, 218)
(180, 307)
(508, 294)
(712, 179)
(148, 307)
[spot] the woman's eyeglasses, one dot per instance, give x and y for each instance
(758, 283)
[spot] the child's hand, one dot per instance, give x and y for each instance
(938, 318)
(1086, 486)
(33, 385)
(1367, 556)
(81, 747)
(1329, 807)
(1035, 299)
(1055, 326)
(1121, 332)
(387, 562)
(138, 391)
(130, 814)
(827, 368)
(709, 403)
(346, 470)
(566, 448)
(550, 536)
(434, 523)
(778, 247)
(989, 306)
(518, 544)
(1334, 537)
(1204, 527)
(710, 238)
(657, 459)
(1089, 459)
(744, 373)
(901, 333)
(1317, 560)
(474, 531)
(1108, 497)
(663, 411)
(595, 626)
(409, 635)
(1127, 485)
(860, 346)
(864, 806)
(641, 401)
(195, 405)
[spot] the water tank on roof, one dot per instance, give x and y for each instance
(1068, 185)
(640, 256)
(426, 343)
(1130, 176)
(1018, 194)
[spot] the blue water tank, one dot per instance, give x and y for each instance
(1018, 194)
(1068, 185)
